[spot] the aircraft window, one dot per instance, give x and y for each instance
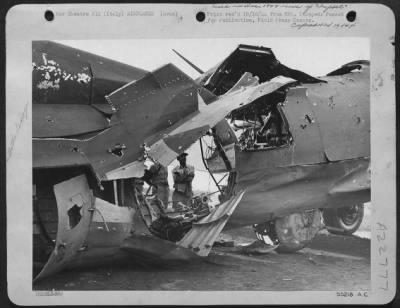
(261, 128)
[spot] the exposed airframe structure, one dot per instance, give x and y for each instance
(96, 120)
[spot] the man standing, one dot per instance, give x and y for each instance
(183, 176)
(157, 177)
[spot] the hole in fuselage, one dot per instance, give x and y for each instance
(262, 124)
(74, 216)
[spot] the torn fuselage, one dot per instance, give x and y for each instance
(304, 146)
(91, 230)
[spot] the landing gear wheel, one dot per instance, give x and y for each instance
(296, 230)
(344, 220)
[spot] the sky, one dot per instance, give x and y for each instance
(316, 56)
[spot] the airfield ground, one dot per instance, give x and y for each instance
(330, 262)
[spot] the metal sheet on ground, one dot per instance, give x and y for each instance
(333, 263)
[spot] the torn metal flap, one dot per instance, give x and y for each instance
(213, 113)
(131, 170)
(166, 150)
(349, 67)
(259, 61)
(204, 232)
(107, 212)
(145, 246)
(225, 133)
(246, 80)
(75, 205)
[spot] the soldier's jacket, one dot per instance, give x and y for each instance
(183, 178)
(158, 174)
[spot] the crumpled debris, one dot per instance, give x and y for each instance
(258, 247)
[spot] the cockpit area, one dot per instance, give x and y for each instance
(261, 125)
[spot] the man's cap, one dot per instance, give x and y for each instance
(182, 155)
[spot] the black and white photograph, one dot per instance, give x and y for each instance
(236, 163)
(195, 179)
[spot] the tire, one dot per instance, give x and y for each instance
(296, 230)
(344, 220)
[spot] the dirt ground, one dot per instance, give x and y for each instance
(329, 263)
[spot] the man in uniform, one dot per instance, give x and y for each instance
(183, 176)
(157, 177)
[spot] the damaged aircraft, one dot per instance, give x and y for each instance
(294, 150)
